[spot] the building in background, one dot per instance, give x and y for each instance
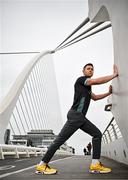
(40, 138)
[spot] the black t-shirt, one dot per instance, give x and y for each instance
(82, 95)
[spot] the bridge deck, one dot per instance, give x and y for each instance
(75, 167)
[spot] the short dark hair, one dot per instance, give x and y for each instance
(88, 64)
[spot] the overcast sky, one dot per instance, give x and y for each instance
(37, 25)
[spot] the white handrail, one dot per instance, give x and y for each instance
(16, 151)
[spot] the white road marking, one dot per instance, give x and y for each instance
(21, 160)
(2, 168)
(60, 160)
(21, 170)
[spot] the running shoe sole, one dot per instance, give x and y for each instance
(99, 172)
(43, 172)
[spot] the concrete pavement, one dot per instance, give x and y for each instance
(75, 167)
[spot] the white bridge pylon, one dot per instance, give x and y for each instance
(32, 102)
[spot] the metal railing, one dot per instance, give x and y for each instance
(17, 151)
(111, 133)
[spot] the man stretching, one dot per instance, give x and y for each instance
(76, 119)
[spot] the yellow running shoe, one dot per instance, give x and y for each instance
(99, 168)
(45, 169)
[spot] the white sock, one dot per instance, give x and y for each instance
(95, 161)
(41, 162)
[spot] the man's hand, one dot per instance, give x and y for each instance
(115, 70)
(101, 96)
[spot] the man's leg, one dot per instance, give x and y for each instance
(65, 133)
(96, 166)
(92, 130)
(75, 120)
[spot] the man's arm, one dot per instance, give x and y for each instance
(104, 79)
(101, 96)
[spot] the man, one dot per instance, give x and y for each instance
(89, 147)
(85, 151)
(76, 120)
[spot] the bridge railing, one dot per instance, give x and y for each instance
(113, 144)
(111, 133)
(17, 151)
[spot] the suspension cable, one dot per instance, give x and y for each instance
(86, 31)
(101, 29)
(19, 53)
(79, 27)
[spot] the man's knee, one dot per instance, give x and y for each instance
(98, 135)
